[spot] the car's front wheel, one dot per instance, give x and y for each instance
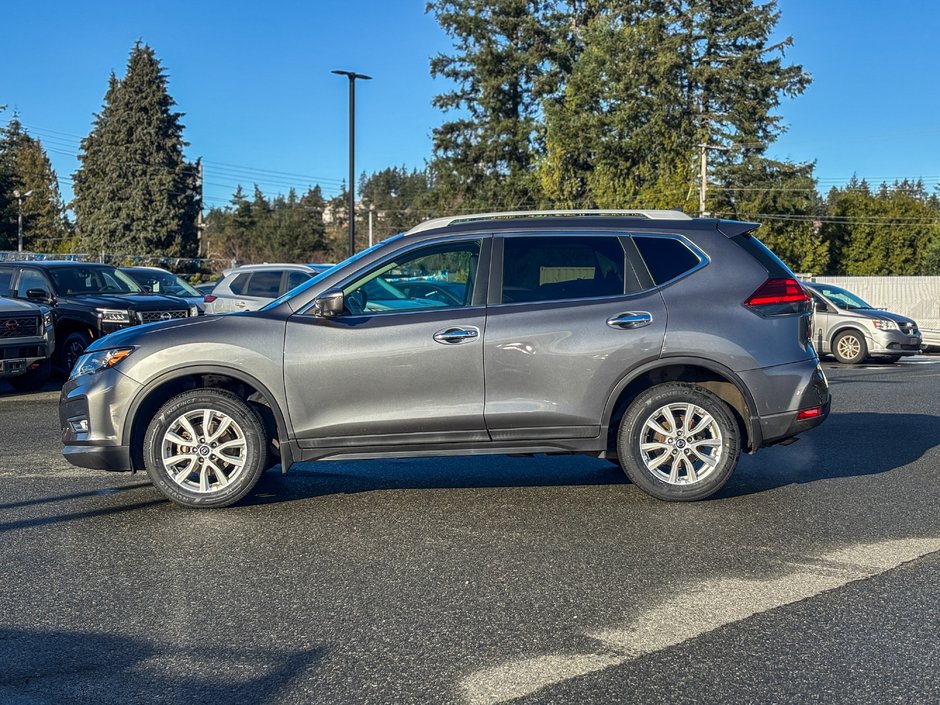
(205, 448)
(849, 347)
(678, 442)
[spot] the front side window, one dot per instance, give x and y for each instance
(559, 268)
(30, 279)
(434, 277)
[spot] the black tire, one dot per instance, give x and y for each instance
(849, 347)
(33, 379)
(211, 479)
(691, 474)
(71, 349)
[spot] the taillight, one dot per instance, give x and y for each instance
(776, 297)
(209, 298)
(814, 413)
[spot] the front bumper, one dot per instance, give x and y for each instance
(893, 342)
(101, 401)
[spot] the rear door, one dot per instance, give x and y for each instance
(569, 315)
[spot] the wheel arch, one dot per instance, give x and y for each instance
(714, 377)
(842, 328)
(162, 388)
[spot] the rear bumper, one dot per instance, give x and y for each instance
(795, 387)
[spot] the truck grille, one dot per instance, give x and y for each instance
(19, 327)
(155, 316)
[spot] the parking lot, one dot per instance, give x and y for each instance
(810, 577)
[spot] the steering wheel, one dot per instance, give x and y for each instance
(356, 302)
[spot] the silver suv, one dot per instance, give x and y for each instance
(251, 286)
(852, 330)
(665, 343)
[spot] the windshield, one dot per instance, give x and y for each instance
(313, 282)
(163, 283)
(840, 297)
(77, 281)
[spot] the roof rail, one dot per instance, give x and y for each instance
(444, 222)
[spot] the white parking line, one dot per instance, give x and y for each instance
(694, 611)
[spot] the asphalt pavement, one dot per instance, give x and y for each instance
(809, 578)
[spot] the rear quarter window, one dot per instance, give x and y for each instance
(238, 283)
(666, 258)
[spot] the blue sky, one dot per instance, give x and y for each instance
(262, 106)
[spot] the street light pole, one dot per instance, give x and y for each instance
(351, 187)
(19, 218)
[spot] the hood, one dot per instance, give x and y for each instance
(135, 334)
(886, 315)
(8, 306)
(136, 302)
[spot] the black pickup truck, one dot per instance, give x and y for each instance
(88, 300)
(27, 339)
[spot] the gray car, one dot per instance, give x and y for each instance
(661, 342)
(852, 330)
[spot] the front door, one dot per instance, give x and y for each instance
(394, 368)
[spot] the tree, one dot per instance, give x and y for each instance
(135, 193)
(25, 167)
(484, 157)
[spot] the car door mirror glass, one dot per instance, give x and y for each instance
(38, 295)
(329, 304)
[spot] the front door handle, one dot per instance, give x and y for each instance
(630, 319)
(452, 336)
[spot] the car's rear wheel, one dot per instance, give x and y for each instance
(678, 442)
(205, 448)
(849, 347)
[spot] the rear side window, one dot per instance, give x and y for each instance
(295, 279)
(666, 258)
(238, 283)
(265, 284)
(558, 268)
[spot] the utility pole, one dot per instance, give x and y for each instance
(371, 211)
(351, 187)
(200, 222)
(703, 186)
(19, 218)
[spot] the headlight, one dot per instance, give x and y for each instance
(193, 310)
(113, 315)
(92, 362)
(882, 324)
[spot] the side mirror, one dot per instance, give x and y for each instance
(329, 304)
(40, 295)
(820, 307)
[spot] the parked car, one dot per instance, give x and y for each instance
(251, 286)
(88, 300)
(27, 339)
(160, 281)
(664, 342)
(205, 287)
(851, 330)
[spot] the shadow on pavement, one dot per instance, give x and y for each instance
(75, 667)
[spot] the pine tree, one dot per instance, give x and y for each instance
(27, 169)
(135, 193)
(483, 159)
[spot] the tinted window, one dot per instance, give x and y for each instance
(555, 268)
(295, 279)
(665, 257)
(6, 278)
(238, 283)
(264, 284)
(30, 279)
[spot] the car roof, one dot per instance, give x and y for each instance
(55, 264)
(146, 269)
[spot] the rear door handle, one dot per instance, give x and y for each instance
(452, 336)
(630, 319)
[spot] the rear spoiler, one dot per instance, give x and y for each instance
(733, 228)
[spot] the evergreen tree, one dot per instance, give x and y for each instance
(134, 193)
(484, 157)
(25, 167)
